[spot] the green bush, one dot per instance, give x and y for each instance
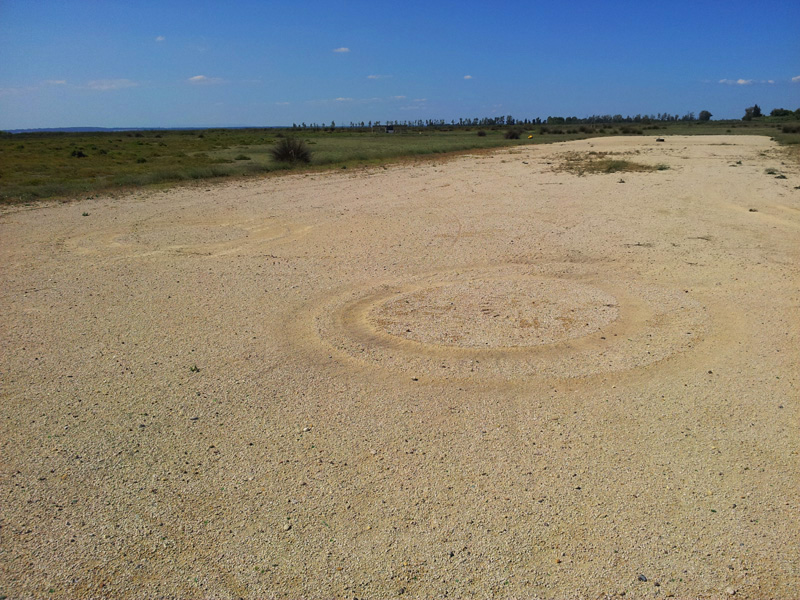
(291, 150)
(481, 133)
(512, 134)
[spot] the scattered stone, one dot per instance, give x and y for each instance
(730, 591)
(287, 527)
(642, 577)
(753, 210)
(659, 139)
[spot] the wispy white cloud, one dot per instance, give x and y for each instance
(343, 99)
(378, 76)
(55, 82)
(467, 76)
(341, 50)
(160, 38)
(105, 85)
(398, 97)
(745, 81)
(204, 80)
(796, 79)
(282, 103)
(420, 99)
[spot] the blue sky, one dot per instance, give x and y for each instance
(193, 63)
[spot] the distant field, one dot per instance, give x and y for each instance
(67, 165)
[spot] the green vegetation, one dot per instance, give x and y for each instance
(751, 112)
(292, 151)
(68, 165)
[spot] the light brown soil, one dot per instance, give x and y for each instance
(486, 377)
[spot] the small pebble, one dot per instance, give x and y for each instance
(642, 578)
(287, 527)
(730, 591)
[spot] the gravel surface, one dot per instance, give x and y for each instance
(483, 377)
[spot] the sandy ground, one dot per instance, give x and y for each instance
(486, 377)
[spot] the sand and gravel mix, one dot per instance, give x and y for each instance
(484, 377)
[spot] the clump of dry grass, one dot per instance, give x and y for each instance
(582, 163)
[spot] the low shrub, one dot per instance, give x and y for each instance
(512, 134)
(291, 150)
(481, 133)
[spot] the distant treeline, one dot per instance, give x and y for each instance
(504, 121)
(509, 120)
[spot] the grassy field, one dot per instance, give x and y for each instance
(68, 165)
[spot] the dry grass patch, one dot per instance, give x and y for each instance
(581, 163)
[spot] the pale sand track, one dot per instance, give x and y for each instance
(484, 377)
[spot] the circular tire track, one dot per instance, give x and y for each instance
(511, 321)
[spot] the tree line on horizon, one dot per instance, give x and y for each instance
(509, 121)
